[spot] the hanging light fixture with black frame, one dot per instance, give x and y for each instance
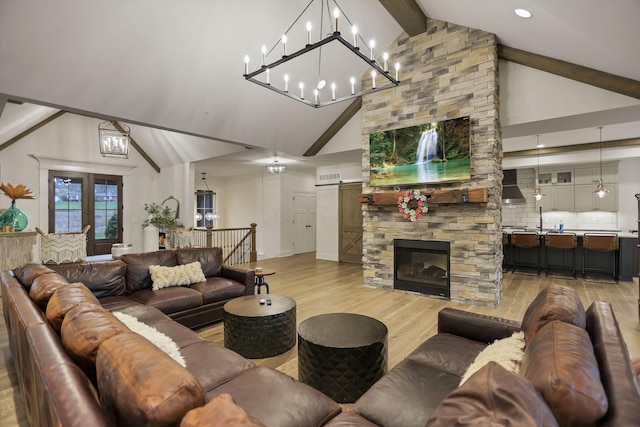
(114, 140)
(601, 190)
(538, 190)
(210, 215)
(265, 70)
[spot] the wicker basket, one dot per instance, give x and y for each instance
(63, 248)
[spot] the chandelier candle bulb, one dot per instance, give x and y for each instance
(268, 76)
(286, 82)
(397, 66)
(333, 91)
(372, 43)
(354, 31)
(246, 65)
(309, 27)
(301, 90)
(353, 85)
(264, 55)
(336, 14)
(284, 45)
(385, 57)
(315, 94)
(373, 79)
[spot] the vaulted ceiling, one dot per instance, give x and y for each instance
(173, 70)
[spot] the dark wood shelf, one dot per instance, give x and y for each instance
(464, 195)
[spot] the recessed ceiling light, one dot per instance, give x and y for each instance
(523, 13)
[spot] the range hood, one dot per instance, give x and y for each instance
(511, 194)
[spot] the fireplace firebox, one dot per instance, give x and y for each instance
(422, 266)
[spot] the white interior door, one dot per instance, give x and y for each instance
(304, 222)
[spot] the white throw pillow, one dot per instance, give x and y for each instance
(507, 352)
(185, 274)
(156, 337)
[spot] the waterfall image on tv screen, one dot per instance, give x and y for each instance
(428, 153)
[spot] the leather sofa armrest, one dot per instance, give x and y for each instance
(474, 326)
(242, 275)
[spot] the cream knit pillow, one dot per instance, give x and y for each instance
(185, 274)
(507, 352)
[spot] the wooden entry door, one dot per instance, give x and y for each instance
(350, 223)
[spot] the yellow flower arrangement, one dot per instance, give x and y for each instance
(20, 191)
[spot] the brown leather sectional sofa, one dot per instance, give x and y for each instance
(55, 327)
(421, 390)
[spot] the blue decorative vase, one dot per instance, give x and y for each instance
(14, 217)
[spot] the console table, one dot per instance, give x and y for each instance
(16, 249)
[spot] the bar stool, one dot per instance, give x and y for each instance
(505, 251)
(600, 242)
(563, 241)
(525, 240)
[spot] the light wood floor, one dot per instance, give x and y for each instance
(324, 286)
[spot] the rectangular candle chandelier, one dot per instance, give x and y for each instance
(347, 87)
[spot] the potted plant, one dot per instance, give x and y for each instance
(159, 219)
(13, 219)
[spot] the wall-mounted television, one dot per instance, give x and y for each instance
(435, 152)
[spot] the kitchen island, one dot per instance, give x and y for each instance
(626, 257)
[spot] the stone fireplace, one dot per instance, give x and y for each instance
(422, 266)
(449, 71)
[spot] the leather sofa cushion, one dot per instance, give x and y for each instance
(44, 286)
(137, 275)
(27, 273)
(142, 386)
(220, 412)
(553, 303)
(407, 395)
(449, 353)
(84, 329)
(350, 419)
(169, 300)
(228, 364)
(286, 403)
(493, 396)
(216, 289)
(560, 363)
(616, 373)
(64, 299)
(210, 259)
(103, 278)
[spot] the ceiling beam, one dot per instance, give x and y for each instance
(630, 142)
(611, 82)
(408, 14)
(335, 127)
(3, 102)
(31, 129)
(137, 147)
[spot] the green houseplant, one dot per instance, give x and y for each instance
(160, 216)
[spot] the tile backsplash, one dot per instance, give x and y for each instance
(527, 215)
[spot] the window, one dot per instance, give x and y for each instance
(80, 199)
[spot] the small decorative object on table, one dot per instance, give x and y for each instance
(412, 205)
(14, 218)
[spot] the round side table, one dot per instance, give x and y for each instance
(342, 354)
(257, 330)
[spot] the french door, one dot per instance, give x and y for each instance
(80, 199)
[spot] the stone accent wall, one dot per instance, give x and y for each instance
(447, 72)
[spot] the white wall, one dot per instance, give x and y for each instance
(628, 187)
(177, 181)
(70, 143)
(327, 223)
(291, 182)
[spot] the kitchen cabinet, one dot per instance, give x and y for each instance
(556, 198)
(555, 177)
(586, 200)
(591, 175)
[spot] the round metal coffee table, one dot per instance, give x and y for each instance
(342, 354)
(257, 330)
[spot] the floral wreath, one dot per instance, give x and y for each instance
(412, 205)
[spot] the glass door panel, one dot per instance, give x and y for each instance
(68, 206)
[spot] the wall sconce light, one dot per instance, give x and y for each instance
(114, 139)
